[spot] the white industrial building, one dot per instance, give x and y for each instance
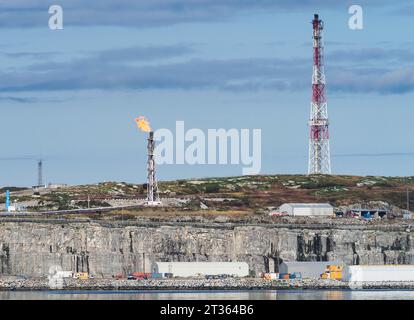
(192, 269)
(307, 209)
(379, 273)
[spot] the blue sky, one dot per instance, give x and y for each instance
(70, 96)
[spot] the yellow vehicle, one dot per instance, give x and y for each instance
(333, 272)
(81, 276)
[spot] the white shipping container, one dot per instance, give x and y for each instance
(192, 269)
(379, 273)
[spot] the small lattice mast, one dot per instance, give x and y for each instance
(319, 153)
(39, 173)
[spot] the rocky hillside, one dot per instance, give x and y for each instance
(238, 195)
(218, 219)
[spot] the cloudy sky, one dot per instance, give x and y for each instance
(70, 96)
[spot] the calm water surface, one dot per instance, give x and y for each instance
(216, 295)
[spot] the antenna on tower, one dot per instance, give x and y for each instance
(40, 173)
(319, 153)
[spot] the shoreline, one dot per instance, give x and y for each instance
(13, 284)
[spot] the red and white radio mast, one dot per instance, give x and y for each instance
(319, 154)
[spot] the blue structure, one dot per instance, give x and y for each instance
(367, 216)
(368, 213)
(7, 199)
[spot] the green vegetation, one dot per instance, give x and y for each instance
(245, 194)
(252, 192)
(12, 189)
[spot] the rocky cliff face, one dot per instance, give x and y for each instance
(28, 248)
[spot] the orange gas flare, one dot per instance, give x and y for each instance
(143, 124)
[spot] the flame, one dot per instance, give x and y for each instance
(143, 124)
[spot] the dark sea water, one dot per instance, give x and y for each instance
(212, 295)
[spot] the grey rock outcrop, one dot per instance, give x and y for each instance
(105, 249)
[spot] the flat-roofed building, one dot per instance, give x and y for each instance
(379, 273)
(307, 209)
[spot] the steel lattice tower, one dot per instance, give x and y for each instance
(319, 154)
(152, 186)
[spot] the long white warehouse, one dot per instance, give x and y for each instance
(379, 273)
(191, 269)
(307, 209)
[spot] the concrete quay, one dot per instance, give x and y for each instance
(12, 283)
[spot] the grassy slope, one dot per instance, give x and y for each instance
(262, 191)
(248, 193)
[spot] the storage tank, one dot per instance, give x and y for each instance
(192, 269)
(379, 273)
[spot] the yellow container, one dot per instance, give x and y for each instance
(82, 276)
(334, 268)
(337, 275)
(267, 276)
